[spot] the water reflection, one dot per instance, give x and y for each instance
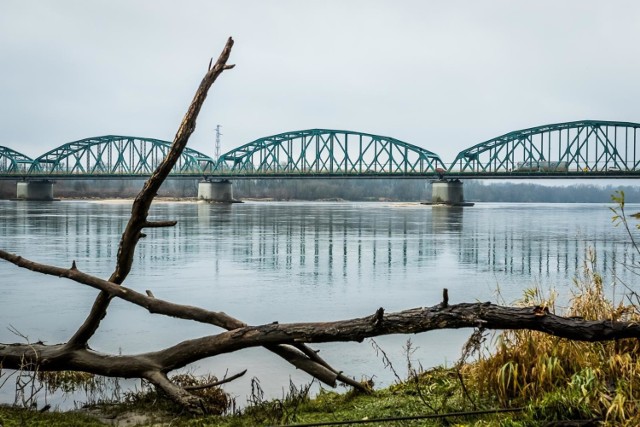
(262, 262)
(540, 251)
(299, 237)
(330, 240)
(335, 240)
(447, 219)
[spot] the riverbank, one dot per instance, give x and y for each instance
(427, 399)
(525, 378)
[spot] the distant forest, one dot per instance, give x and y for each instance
(418, 190)
(410, 190)
(536, 193)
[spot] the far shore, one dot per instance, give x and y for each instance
(159, 199)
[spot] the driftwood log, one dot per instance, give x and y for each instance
(289, 341)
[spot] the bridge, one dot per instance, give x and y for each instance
(580, 149)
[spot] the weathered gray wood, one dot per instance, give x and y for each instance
(423, 319)
(140, 209)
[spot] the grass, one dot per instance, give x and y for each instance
(434, 391)
(19, 417)
(564, 379)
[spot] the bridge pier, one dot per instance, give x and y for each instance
(35, 190)
(448, 192)
(216, 191)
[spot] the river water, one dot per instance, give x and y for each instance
(294, 262)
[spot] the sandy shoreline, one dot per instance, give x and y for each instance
(129, 200)
(187, 200)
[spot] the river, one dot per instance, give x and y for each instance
(293, 262)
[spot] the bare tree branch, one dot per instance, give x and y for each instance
(315, 367)
(141, 204)
(216, 383)
(422, 319)
(178, 394)
(157, 224)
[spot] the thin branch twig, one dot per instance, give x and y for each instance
(216, 383)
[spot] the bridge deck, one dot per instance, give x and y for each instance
(380, 175)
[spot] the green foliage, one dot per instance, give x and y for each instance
(20, 417)
(276, 411)
(619, 214)
(576, 400)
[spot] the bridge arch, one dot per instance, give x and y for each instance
(572, 147)
(117, 155)
(12, 161)
(330, 152)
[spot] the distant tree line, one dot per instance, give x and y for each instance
(419, 190)
(410, 190)
(536, 193)
(333, 189)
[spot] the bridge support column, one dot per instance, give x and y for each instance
(216, 191)
(448, 192)
(35, 190)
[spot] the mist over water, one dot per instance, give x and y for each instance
(296, 262)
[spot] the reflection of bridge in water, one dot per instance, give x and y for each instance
(392, 237)
(334, 245)
(583, 149)
(333, 236)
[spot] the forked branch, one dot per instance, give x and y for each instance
(142, 203)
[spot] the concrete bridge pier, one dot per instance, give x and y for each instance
(216, 191)
(448, 192)
(35, 190)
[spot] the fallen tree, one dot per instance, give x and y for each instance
(289, 341)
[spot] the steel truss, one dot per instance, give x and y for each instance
(564, 148)
(116, 155)
(13, 162)
(587, 148)
(328, 152)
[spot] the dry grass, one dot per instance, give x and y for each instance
(564, 378)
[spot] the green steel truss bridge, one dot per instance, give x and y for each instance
(12, 162)
(104, 156)
(324, 152)
(581, 149)
(309, 153)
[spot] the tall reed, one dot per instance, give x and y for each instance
(561, 378)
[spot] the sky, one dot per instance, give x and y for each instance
(443, 75)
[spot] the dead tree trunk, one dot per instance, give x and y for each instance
(286, 340)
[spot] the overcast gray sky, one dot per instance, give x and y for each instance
(443, 75)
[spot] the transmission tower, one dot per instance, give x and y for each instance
(218, 135)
